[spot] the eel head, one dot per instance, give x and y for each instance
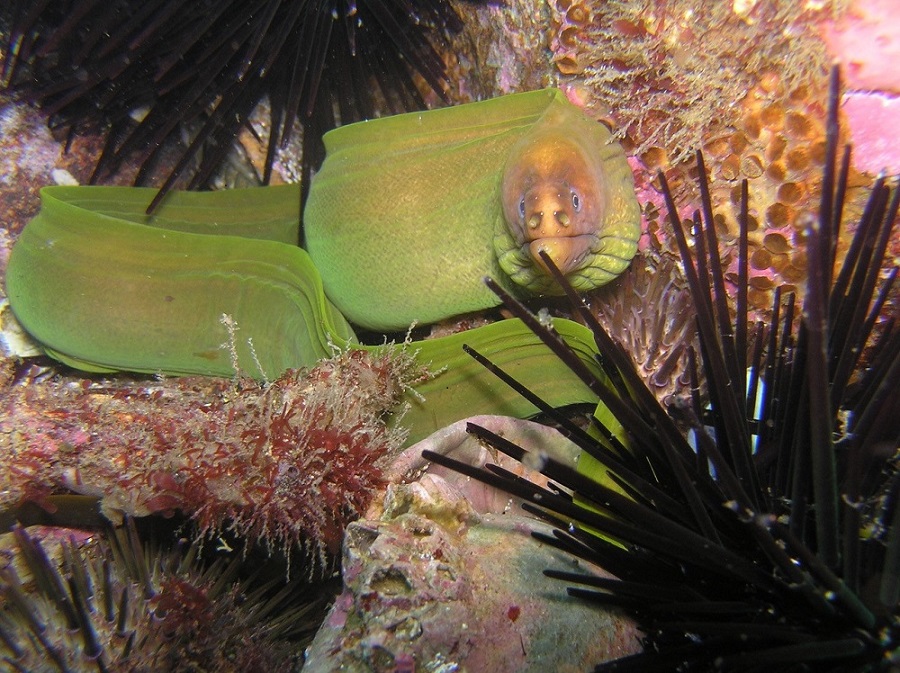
(556, 197)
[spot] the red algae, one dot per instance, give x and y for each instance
(286, 463)
(866, 39)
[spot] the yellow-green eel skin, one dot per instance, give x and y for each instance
(403, 221)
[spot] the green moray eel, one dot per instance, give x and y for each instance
(446, 197)
(403, 221)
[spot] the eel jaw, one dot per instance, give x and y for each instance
(568, 253)
(551, 222)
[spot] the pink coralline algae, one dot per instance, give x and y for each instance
(287, 463)
(866, 41)
(866, 38)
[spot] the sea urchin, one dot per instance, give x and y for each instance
(770, 537)
(121, 604)
(144, 71)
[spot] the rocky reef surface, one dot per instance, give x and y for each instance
(437, 574)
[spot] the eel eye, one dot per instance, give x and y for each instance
(576, 202)
(522, 208)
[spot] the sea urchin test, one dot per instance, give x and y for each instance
(405, 218)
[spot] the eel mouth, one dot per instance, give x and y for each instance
(568, 253)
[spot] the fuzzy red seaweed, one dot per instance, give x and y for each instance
(287, 463)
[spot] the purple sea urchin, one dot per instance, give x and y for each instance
(773, 540)
(122, 605)
(142, 72)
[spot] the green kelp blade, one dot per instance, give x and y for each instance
(102, 291)
(465, 387)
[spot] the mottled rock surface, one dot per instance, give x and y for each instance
(434, 586)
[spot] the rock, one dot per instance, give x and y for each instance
(433, 585)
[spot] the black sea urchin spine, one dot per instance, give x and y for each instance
(141, 70)
(770, 541)
(128, 604)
